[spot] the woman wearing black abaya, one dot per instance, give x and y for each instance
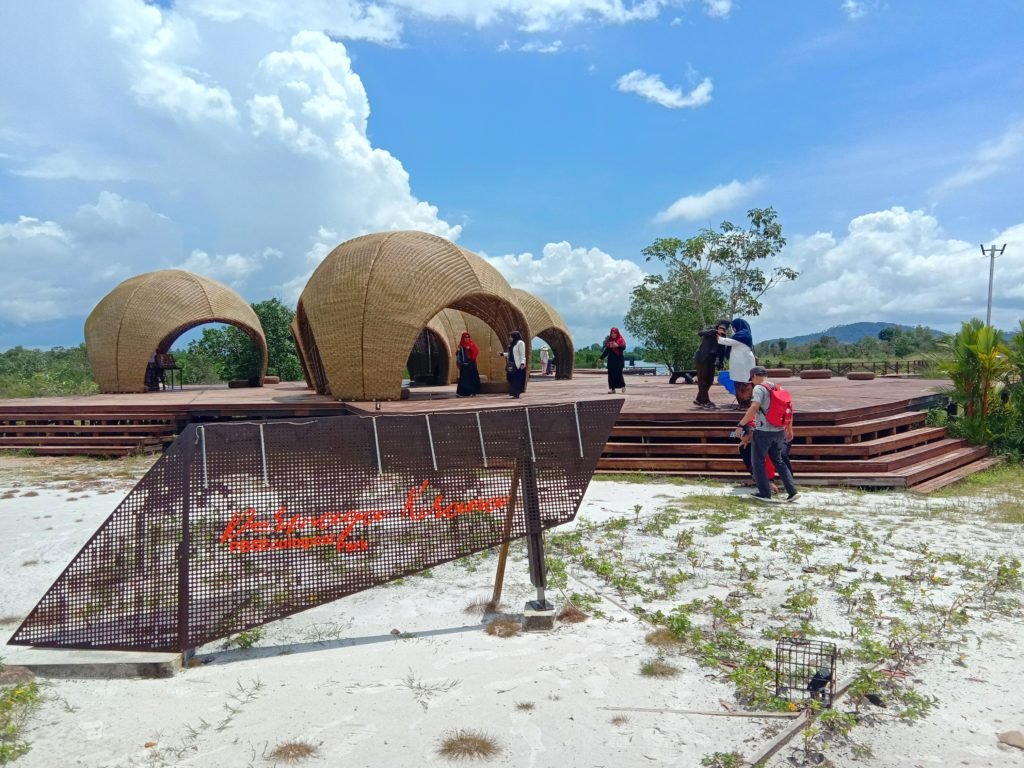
(614, 345)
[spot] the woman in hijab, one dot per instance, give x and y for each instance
(515, 364)
(614, 344)
(469, 376)
(741, 360)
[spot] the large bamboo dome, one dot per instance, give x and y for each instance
(147, 313)
(368, 301)
(547, 325)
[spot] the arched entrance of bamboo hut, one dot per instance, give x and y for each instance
(312, 362)
(428, 360)
(369, 300)
(547, 325)
(145, 314)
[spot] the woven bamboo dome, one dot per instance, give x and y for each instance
(365, 305)
(147, 313)
(547, 325)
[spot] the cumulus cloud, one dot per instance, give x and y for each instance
(236, 139)
(721, 198)
(588, 287)
(991, 158)
(718, 8)
(653, 89)
(896, 265)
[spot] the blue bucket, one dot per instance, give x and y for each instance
(726, 381)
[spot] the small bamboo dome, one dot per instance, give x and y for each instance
(364, 306)
(147, 313)
(546, 324)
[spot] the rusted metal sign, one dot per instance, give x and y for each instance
(240, 524)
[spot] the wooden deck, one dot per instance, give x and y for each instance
(861, 433)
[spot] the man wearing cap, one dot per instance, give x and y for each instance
(769, 440)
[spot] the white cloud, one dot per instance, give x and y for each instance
(653, 89)
(897, 266)
(719, 8)
(854, 9)
(232, 269)
(241, 137)
(63, 165)
(721, 198)
(381, 21)
(538, 46)
(588, 287)
(991, 158)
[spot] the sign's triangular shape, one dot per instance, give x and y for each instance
(240, 524)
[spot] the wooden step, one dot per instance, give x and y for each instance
(856, 429)
(51, 441)
(866, 448)
(87, 429)
(73, 415)
(926, 470)
(941, 481)
(87, 450)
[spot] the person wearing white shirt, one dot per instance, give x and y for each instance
(741, 359)
(515, 364)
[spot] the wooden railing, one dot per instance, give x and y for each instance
(840, 367)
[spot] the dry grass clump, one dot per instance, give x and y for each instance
(471, 745)
(662, 638)
(619, 720)
(524, 706)
(482, 606)
(8, 620)
(572, 615)
(657, 668)
(504, 628)
(291, 751)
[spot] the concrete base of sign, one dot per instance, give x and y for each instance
(538, 617)
(92, 665)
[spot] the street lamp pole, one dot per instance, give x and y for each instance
(991, 252)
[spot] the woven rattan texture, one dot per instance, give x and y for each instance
(146, 313)
(277, 517)
(369, 299)
(546, 324)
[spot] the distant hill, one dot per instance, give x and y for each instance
(849, 333)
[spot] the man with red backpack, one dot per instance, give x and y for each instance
(771, 415)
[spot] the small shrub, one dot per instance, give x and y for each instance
(464, 744)
(245, 639)
(570, 614)
(482, 606)
(293, 751)
(658, 668)
(722, 760)
(504, 628)
(662, 638)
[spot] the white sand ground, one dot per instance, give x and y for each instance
(336, 677)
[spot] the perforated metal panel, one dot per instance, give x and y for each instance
(240, 524)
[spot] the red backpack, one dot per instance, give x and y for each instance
(780, 407)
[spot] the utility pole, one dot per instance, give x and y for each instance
(991, 252)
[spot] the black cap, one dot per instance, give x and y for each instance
(758, 370)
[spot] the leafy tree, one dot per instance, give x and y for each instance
(664, 317)
(978, 362)
(588, 357)
(236, 356)
(38, 373)
(726, 264)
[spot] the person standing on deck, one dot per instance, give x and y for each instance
(543, 361)
(614, 346)
(740, 351)
(465, 359)
(708, 356)
(515, 364)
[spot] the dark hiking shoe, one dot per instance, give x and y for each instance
(793, 496)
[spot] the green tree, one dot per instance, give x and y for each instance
(664, 318)
(236, 356)
(727, 264)
(977, 365)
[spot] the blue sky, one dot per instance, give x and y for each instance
(558, 138)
